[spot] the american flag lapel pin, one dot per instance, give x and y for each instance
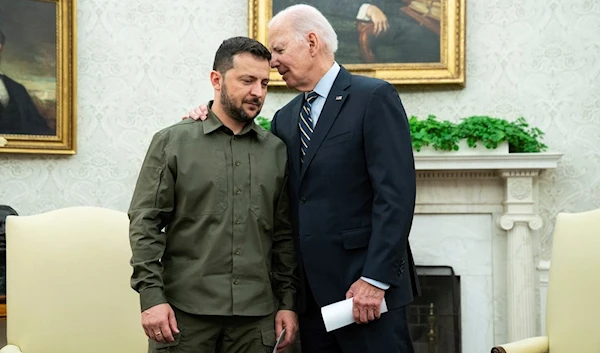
(338, 98)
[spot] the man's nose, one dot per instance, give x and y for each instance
(257, 90)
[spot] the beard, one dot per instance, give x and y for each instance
(238, 113)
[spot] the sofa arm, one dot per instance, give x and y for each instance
(10, 349)
(528, 345)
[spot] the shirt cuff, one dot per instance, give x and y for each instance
(362, 12)
(152, 296)
(287, 302)
(377, 284)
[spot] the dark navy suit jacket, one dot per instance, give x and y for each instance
(353, 198)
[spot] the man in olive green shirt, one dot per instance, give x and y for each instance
(212, 281)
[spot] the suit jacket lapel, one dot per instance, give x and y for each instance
(335, 100)
(295, 135)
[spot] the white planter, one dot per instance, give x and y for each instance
(465, 150)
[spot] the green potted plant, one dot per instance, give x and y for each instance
(492, 133)
(441, 135)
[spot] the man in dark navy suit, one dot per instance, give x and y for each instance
(18, 113)
(352, 189)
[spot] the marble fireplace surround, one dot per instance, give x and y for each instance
(479, 214)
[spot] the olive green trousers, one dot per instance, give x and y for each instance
(219, 334)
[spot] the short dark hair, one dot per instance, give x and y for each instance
(237, 45)
(2, 38)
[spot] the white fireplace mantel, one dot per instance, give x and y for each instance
(505, 187)
(511, 161)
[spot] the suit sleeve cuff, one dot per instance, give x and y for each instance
(152, 296)
(376, 283)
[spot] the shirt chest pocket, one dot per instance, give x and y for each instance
(202, 183)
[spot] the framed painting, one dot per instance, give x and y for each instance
(37, 76)
(404, 42)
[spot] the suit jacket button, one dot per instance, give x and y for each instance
(303, 200)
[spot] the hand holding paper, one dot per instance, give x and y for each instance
(339, 314)
(286, 321)
(367, 300)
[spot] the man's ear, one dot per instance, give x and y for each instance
(313, 43)
(216, 80)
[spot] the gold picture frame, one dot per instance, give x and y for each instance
(450, 30)
(38, 71)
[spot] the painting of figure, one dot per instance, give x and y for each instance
(381, 31)
(27, 67)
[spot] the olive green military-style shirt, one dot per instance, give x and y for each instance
(227, 246)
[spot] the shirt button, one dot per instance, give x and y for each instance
(237, 163)
(237, 252)
(237, 221)
(238, 191)
(236, 281)
(303, 200)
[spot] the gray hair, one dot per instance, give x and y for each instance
(304, 19)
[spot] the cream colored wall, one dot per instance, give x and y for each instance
(143, 64)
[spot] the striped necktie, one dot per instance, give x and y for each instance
(306, 124)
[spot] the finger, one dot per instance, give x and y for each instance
(167, 334)
(362, 311)
(371, 314)
(278, 327)
(199, 113)
(157, 335)
(356, 313)
(349, 294)
(173, 322)
(289, 337)
(377, 309)
(287, 340)
(148, 333)
(386, 25)
(282, 345)
(363, 316)
(377, 28)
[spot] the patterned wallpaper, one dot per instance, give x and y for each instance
(143, 64)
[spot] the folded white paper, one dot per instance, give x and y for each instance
(279, 340)
(339, 314)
